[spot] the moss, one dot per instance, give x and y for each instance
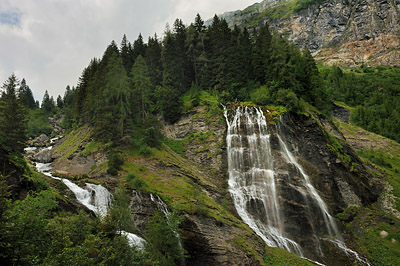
(337, 148)
(175, 145)
(72, 142)
(91, 147)
(176, 182)
(271, 113)
(241, 242)
(280, 257)
(379, 250)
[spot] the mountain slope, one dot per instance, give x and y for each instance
(346, 32)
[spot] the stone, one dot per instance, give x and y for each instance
(41, 141)
(383, 234)
(44, 156)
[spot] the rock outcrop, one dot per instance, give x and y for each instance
(345, 32)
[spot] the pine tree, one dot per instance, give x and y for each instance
(26, 96)
(139, 47)
(60, 103)
(153, 59)
(126, 53)
(12, 118)
(117, 99)
(47, 104)
(261, 55)
(142, 87)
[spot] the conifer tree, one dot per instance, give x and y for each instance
(47, 103)
(126, 53)
(142, 87)
(12, 118)
(261, 54)
(26, 96)
(153, 59)
(139, 47)
(116, 96)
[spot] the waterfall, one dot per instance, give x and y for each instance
(94, 197)
(164, 209)
(264, 182)
(328, 219)
(252, 177)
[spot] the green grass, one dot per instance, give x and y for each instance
(73, 141)
(280, 257)
(380, 251)
(92, 147)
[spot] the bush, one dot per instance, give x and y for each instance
(115, 162)
(38, 123)
(261, 96)
(135, 181)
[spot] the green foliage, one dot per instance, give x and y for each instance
(120, 210)
(38, 123)
(375, 157)
(163, 237)
(379, 250)
(281, 257)
(12, 117)
(48, 104)
(27, 227)
(373, 91)
(169, 102)
(135, 181)
(115, 162)
(175, 145)
(152, 131)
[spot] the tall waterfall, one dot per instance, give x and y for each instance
(270, 189)
(252, 177)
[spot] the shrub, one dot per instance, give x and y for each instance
(115, 162)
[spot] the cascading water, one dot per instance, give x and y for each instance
(251, 177)
(269, 188)
(94, 197)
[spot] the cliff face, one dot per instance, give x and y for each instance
(347, 32)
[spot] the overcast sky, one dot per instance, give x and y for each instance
(49, 42)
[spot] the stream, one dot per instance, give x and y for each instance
(94, 197)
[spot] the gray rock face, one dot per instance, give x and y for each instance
(338, 31)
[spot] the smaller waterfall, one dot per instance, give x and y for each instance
(160, 204)
(94, 197)
(328, 219)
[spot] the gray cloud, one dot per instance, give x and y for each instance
(49, 42)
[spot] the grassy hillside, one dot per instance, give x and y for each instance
(376, 229)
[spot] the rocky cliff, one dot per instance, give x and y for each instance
(195, 183)
(344, 32)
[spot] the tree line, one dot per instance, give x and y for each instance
(133, 83)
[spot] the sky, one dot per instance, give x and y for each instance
(50, 42)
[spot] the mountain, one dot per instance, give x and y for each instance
(343, 32)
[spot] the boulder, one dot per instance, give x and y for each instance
(44, 156)
(41, 141)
